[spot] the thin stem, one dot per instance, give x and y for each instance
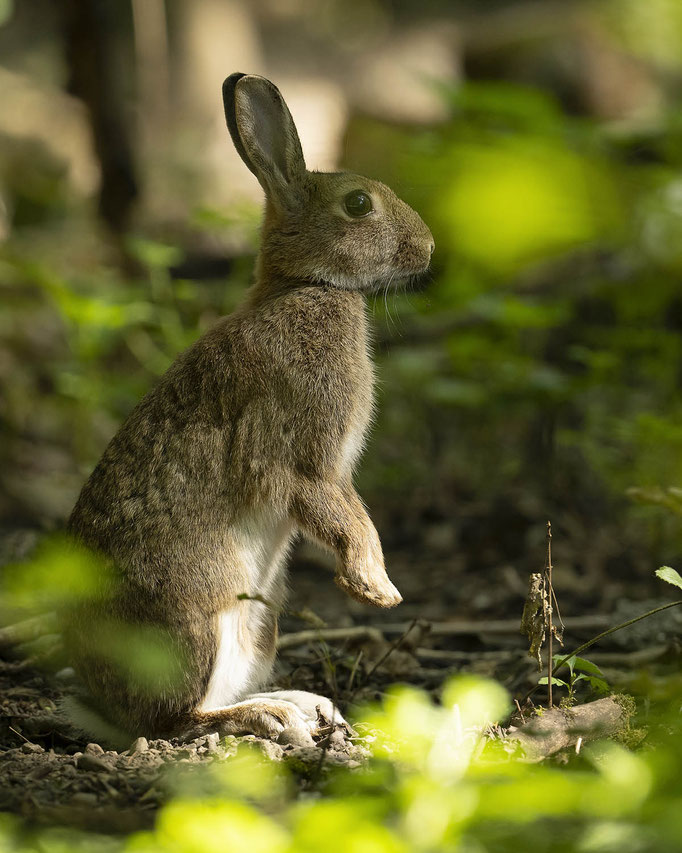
(396, 645)
(549, 613)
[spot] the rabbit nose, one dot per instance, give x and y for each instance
(432, 246)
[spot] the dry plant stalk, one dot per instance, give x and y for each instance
(536, 620)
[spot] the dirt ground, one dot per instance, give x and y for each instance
(452, 620)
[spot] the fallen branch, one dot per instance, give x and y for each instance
(28, 630)
(562, 728)
(328, 635)
(451, 656)
(494, 626)
(37, 626)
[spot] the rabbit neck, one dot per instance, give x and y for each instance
(267, 290)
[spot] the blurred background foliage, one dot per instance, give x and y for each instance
(538, 376)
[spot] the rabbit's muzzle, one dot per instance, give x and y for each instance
(413, 257)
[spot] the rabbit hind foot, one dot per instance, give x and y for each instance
(261, 716)
(269, 714)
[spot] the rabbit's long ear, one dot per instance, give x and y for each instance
(263, 132)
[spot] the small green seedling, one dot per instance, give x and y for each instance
(580, 669)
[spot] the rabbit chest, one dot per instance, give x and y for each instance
(359, 417)
(341, 387)
(313, 348)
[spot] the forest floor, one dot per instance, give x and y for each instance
(448, 623)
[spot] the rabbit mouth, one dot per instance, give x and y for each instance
(413, 281)
(420, 280)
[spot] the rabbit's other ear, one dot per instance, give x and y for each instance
(263, 133)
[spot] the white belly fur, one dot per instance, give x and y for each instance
(352, 447)
(239, 669)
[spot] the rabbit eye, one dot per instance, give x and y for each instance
(357, 203)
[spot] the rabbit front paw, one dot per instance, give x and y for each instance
(365, 579)
(363, 575)
(378, 591)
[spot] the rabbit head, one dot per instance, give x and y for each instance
(337, 228)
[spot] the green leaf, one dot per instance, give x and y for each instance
(587, 666)
(665, 573)
(569, 662)
(556, 681)
(598, 684)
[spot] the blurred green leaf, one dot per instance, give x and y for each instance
(154, 256)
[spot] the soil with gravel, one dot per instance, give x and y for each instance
(49, 774)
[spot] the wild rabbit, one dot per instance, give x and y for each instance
(250, 436)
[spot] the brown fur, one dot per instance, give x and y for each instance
(262, 418)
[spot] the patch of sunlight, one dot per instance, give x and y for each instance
(517, 201)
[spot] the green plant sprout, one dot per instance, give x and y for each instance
(579, 669)
(665, 573)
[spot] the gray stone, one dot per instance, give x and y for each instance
(271, 750)
(140, 745)
(295, 736)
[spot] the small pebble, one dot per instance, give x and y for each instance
(212, 742)
(41, 771)
(183, 754)
(83, 798)
(94, 749)
(66, 674)
(92, 762)
(295, 736)
(337, 739)
(140, 745)
(271, 750)
(31, 747)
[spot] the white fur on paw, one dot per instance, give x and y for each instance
(374, 560)
(298, 719)
(307, 704)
